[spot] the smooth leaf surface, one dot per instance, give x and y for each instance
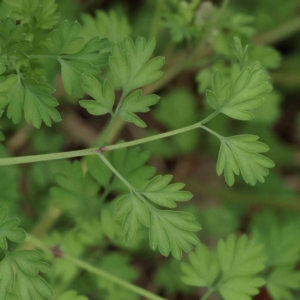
(134, 103)
(241, 154)
(27, 266)
(282, 282)
(102, 93)
(130, 63)
(159, 191)
(9, 229)
(236, 98)
(233, 271)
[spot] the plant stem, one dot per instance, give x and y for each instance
(113, 119)
(211, 131)
(46, 157)
(162, 135)
(101, 273)
(112, 168)
(91, 151)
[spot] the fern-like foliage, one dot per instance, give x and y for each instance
(233, 271)
(169, 231)
(20, 268)
(283, 278)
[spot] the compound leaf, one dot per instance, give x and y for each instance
(134, 211)
(241, 153)
(159, 191)
(106, 24)
(130, 65)
(65, 40)
(203, 268)
(31, 97)
(233, 271)
(268, 229)
(173, 231)
(9, 229)
(135, 102)
(39, 105)
(102, 93)
(27, 266)
(75, 56)
(74, 189)
(282, 281)
(47, 15)
(12, 39)
(23, 9)
(237, 98)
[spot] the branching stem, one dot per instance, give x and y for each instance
(93, 151)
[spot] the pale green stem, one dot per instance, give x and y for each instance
(91, 151)
(101, 273)
(161, 135)
(113, 118)
(211, 131)
(46, 157)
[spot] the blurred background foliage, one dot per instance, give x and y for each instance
(195, 37)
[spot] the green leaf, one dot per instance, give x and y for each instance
(47, 16)
(159, 191)
(241, 95)
(9, 229)
(32, 97)
(242, 54)
(282, 282)
(15, 92)
(102, 93)
(75, 56)
(23, 9)
(27, 266)
(172, 232)
(65, 40)
(241, 154)
(71, 75)
(130, 63)
(232, 271)
(203, 268)
(135, 102)
(268, 229)
(12, 39)
(134, 210)
(39, 105)
(71, 295)
(106, 24)
(75, 191)
(130, 162)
